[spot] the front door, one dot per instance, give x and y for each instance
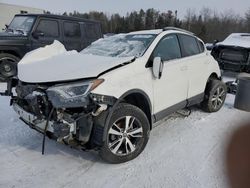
(170, 91)
(47, 30)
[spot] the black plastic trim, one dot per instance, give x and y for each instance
(164, 113)
(196, 99)
(186, 103)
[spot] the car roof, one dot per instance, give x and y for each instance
(60, 17)
(165, 30)
(147, 32)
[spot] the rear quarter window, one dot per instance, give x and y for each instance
(92, 31)
(201, 46)
(189, 45)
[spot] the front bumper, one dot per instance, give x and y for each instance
(32, 120)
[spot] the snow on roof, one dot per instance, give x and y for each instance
(147, 32)
(237, 39)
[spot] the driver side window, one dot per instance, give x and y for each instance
(50, 28)
(168, 48)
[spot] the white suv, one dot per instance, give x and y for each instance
(108, 96)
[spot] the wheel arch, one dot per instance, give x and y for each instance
(213, 76)
(131, 97)
(141, 100)
(12, 52)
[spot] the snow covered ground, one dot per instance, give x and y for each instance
(182, 152)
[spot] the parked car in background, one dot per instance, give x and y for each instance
(233, 54)
(27, 32)
(108, 96)
(209, 46)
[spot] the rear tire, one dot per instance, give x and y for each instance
(215, 96)
(13, 60)
(127, 134)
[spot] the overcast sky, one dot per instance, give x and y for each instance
(123, 6)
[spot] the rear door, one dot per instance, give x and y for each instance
(50, 29)
(197, 62)
(72, 35)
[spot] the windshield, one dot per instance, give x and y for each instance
(21, 24)
(121, 45)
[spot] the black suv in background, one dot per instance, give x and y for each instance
(27, 32)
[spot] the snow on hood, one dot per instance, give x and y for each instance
(53, 63)
(237, 39)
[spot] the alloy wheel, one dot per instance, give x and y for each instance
(125, 135)
(218, 97)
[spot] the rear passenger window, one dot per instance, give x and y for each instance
(168, 48)
(189, 45)
(72, 30)
(201, 46)
(49, 28)
(92, 31)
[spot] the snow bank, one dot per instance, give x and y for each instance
(237, 39)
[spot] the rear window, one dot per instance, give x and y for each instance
(189, 45)
(72, 30)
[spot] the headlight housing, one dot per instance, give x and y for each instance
(72, 95)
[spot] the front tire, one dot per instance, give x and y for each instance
(215, 96)
(127, 134)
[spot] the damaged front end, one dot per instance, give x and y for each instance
(232, 58)
(64, 112)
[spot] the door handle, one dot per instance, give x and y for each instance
(184, 68)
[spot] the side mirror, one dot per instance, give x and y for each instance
(36, 35)
(6, 26)
(157, 67)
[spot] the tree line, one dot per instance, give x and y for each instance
(206, 24)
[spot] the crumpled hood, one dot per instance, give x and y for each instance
(53, 63)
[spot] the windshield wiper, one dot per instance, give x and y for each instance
(20, 31)
(9, 30)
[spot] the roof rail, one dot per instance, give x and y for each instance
(177, 29)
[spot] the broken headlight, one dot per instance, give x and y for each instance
(72, 95)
